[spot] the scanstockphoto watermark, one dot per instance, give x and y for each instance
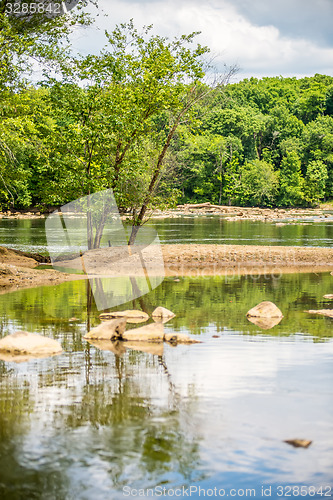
(190, 491)
(263, 491)
(29, 9)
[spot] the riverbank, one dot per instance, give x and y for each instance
(232, 213)
(20, 271)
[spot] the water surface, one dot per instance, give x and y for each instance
(93, 424)
(29, 234)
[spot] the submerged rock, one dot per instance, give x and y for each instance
(323, 312)
(132, 316)
(108, 330)
(25, 343)
(265, 309)
(162, 314)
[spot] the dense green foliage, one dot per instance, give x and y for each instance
(138, 119)
(261, 142)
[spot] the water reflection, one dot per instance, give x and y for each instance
(87, 423)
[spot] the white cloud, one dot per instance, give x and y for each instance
(259, 50)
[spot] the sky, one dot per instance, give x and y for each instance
(262, 37)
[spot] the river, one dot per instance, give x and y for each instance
(100, 424)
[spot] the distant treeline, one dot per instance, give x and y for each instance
(262, 142)
(265, 142)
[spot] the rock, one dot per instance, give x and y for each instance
(132, 316)
(265, 323)
(298, 443)
(323, 312)
(328, 296)
(149, 333)
(162, 314)
(22, 343)
(108, 330)
(180, 338)
(265, 309)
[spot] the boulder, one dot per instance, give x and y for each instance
(108, 330)
(162, 314)
(328, 296)
(180, 338)
(265, 309)
(323, 312)
(25, 343)
(132, 316)
(148, 333)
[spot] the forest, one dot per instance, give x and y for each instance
(148, 117)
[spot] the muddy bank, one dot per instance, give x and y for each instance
(17, 270)
(20, 270)
(244, 259)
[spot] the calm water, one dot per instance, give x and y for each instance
(29, 235)
(93, 424)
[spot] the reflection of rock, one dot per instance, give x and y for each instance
(108, 330)
(150, 333)
(117, 347)
(25, 343)
(265, 309)
(328, 296)
(155, 348)
(265, 323)
(162, 314)
(298, 443)
(323, 312)
(132, 316)
(180, 338)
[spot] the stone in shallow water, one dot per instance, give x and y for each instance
(265, 309)
(323, 312)
(25, 343)
(149, 333)
(132, 316)
(328, 296)
(180, 338)
(108, 330)
(162, 314)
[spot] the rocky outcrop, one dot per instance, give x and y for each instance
(149, 333)
(108, 330)
(162, 314)
(265, 309)
(28, 344)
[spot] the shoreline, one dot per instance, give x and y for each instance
(228, 213)
(19, 271)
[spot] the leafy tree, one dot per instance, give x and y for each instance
(34, 36)
(315, 182)
(291, 180)
(259, 183)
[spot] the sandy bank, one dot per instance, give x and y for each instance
(19, 271)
